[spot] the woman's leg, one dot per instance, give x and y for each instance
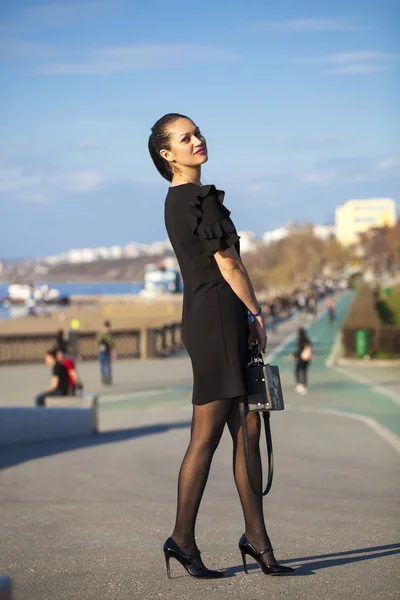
(298, 372)
(305, 370)
(207, 426)
(252, 504)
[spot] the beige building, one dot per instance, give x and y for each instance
(357, 216)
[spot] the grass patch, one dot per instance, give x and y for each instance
(389, 308)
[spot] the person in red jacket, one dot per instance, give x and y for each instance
(73, 378)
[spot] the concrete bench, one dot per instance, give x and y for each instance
(63, 417)
(88, 401)
(5, 588)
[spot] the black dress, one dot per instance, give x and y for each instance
(214, 320)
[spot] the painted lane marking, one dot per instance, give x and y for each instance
(376, 387)
(386, 434)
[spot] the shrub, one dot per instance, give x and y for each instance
(363, 314)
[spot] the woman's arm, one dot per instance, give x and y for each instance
(235, 274)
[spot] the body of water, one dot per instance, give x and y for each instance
(73, 289)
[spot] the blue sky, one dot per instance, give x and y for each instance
(297, 101)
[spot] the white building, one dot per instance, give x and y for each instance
(270, 237)
(357, 216)
(131, 250)
(248, 241)
(102, 252)
(324, 232)
(115, 252)
(157, 248)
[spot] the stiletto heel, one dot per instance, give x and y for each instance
(244, 561)
(192, 563)
(167, 557)
(246, 548)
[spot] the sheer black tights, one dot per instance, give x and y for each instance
(207, 427)
(208, 423)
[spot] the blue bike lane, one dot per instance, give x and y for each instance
(331, 390)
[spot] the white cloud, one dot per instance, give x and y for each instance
(105, 61)
(31, 196)
(352, 63)
(11, 49)
(63, 13)
(309, 25)
(360, 178)
(357, 69)
(15, 184)
(317, 177)
(361, 57)
(388, 164)
(87, 145)
(82, 181)
(298, 142)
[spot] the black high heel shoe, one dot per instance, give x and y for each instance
(172, 550)
(246, 548)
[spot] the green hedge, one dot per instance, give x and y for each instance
(363, 314)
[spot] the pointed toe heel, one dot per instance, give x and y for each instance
(246, 548)
(192, 563)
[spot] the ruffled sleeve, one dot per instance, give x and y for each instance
(210, 220)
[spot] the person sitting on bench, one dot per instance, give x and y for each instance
(59, 379)
(73, 378)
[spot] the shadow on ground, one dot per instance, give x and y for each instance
(309, 564)
(11, 456)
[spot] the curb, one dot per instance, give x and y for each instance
(368, 362)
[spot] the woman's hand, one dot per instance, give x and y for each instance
(257, 334)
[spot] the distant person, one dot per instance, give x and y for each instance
(73, 378)
(61, 342)
(73, 340)
(303, 357)
(105, 345)
(312, 307)
(301, 301)
(330, 305)
(273, 311)
(59, 379)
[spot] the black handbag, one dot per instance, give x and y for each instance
(264, 393)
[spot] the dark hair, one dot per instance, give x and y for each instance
(52, 352)
(303, 337)
(107, 324)
(159, 140)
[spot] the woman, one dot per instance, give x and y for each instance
(61, 342)
(215, 327)
(303, 358)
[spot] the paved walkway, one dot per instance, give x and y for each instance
(20, 383)
(86, 519)
(351, 391)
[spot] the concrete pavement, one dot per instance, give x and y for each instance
(86, 519)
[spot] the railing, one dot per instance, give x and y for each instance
(129, 343)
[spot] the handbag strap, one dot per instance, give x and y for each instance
(270, 452)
